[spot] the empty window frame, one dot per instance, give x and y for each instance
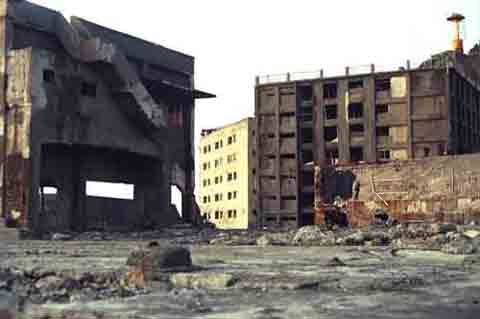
(305, 93)
(355, 84)
(383, 131)
(331, 112)
(330, 90)
(383, 155)
(355, 110)
(356, 154)
(49, 76)
(110, 190)
(307, 135)
(426, 151)
(332, 156)
(382, 109)
(382, 85)
(357, 130)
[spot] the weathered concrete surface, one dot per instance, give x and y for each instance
(275, 282)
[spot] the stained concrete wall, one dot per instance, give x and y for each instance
(73, 97)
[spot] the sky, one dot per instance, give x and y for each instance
(233, 41)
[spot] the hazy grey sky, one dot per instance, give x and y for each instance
(233, 41)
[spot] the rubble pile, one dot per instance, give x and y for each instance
(39, 286)
(448, 238)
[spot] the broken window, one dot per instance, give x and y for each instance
(305, 93)
(331, 134)
(381, 109)
(331, 112)
(307, 134)
(441, 149)
(217, 145)
(49, 76)
(426, 151)
(355, 110)
(307, 156)
(330, 91)
(230, 140)
(382, 85)
(356, 154)
(110, 190)
(356, 84)
(383, 131)
(332, 156)
(383, 155)
(89, 89)
(357, 130)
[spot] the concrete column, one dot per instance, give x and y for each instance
(409, 115)
(370, 149)
(319, 155)
(343, 125)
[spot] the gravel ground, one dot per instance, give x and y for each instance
(271, 282)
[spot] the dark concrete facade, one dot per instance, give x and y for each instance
(86, 103)
(372, 117)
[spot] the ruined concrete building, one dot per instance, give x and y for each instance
(360, 117)
(81, 103)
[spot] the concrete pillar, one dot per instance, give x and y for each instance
(370, 148)
(343, 124)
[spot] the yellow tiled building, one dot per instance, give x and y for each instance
(226, 179)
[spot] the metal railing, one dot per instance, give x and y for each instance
(348, 71)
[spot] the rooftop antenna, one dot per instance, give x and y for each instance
(457, 42)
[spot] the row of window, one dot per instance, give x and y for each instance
(219, 144)
(219, 179)
(219, 197)
(219, 214)
(219, 162)
(355, 110)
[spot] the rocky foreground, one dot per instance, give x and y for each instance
(430, 271)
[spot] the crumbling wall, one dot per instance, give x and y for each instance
(445, 188)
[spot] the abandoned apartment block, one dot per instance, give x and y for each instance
(226, 184)
(84, 104)
(359, 118)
